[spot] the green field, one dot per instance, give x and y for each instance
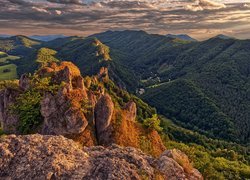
(7, 69)
(5, 59)
(8, 75)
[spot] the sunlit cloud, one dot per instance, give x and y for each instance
(200, 5)
(84, 17)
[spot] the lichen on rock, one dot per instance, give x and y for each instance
(56, 157)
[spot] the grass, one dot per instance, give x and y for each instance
(5, 59)
(2, 53)
(7, 69)
(8, 75)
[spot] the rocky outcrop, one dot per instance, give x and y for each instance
(180, 163)
(8, 119)
(103, 114)
(103, 73)
(62, 112)
(55, 157)
(81, 109)
(60, 118)
(131, 111)
(24, 82)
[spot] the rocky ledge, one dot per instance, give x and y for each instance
(56, 157)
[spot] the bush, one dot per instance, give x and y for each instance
(6, 70)
(9, 84)
(27, 108)
(153, 123)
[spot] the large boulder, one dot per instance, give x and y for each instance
(56, 157)
(60, 116)
(41, 157)
(103, 115)
(183, 160)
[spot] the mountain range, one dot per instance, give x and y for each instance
(184, 37)
(200, 89)
(39, 37)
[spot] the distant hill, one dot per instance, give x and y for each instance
(47, 37)
(184, 37)
(4, 35)
(222, 36)
(18, 45)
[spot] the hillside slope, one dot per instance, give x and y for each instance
(18, 45)
(219, 68)
(57, 100)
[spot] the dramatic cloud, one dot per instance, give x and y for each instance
(201, 5)
(199, 18)
(66, 1)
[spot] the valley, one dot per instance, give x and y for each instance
(199, 90)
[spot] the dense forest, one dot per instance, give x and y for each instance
(201, 89)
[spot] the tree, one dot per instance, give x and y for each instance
(45, 56)
(153, 123)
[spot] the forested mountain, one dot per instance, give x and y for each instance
(18, 45)
(47, 37)
(184, 37)
(218, 68)
(200, 88)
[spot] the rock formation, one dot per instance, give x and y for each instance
(8, 119)
(90, 115)
(55, 157)
(130, 107)
(24, 83)
(59, 117)
(62, 115)
(87, 115)
(103, 114)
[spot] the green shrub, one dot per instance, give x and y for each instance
(27, 108)
(153, 123)
(9, 84)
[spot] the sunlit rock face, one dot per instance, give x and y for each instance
(56, 157)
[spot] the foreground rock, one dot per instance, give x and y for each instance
(55, 157)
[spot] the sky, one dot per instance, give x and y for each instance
(200, 19)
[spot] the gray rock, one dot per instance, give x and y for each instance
(56, 157)
(103, 114)
(8, 120)
(131, 111)
(24, 82)
(59, 117)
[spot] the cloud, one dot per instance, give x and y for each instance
(58, 12)
(66, 1)
(85, 17)
(40, 10)
(200, 5)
